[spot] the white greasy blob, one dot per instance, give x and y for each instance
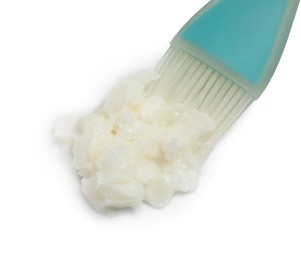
(136, 147)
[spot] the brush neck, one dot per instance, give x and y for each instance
(244, 39)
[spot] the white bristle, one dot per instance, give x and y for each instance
(186, 79)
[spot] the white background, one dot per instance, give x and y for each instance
(59, 57)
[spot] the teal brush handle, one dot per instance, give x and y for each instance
(243, 39)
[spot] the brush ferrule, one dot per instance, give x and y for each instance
(244, 40)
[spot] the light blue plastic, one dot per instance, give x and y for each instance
(244, 39)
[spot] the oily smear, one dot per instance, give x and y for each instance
(136, 147)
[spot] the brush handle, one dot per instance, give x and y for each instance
(243, 39)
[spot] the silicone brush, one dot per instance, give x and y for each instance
(224, 57)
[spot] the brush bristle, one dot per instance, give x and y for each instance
(186, 79)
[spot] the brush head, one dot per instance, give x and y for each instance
(224, 57)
